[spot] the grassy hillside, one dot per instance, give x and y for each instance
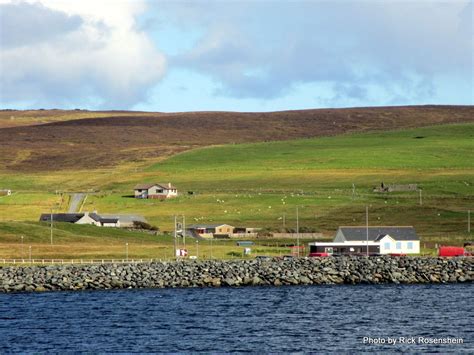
(443, 147)
(89, 242)
(75, 140)
(262, 184)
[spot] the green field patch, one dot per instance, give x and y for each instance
(444, 147)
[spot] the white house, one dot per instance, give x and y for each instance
(375, 240)
(125, 220)
(90, 218)
(155, 190)
(110, 222)
(390, 245)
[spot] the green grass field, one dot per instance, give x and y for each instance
(258, 184)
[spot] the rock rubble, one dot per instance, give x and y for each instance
(218, 273)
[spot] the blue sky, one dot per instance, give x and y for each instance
(234, 55)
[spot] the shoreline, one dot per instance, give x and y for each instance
(237, 273)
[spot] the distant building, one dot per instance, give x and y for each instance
(93, 219)
(126, 220)
(381, 240)
(221, 231)
(246, 232)
(212, 230)
(155, 190)
(5, 192)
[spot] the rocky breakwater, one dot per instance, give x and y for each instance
(213, 273)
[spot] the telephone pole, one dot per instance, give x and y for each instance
(367, 226)
(183, 227)
(175, 235)
(297, 231)
(469, 221)
(51, 226)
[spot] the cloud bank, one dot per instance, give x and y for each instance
(135, 53)
(84, 53)
(395, 50)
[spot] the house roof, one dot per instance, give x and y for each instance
(166, 185)
(61, 217)
(378, 232)
(160, 184)
(95, 216)
(108, 220)
(207, 226)
(125, 218)
(143, 186)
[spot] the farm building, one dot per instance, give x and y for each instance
(5, 192)
(126, 220)
(93, 218)
(212, 230)
(381, 240)
(155, 190)
(221, 230)
(245, 232)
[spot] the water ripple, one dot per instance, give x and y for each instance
(251, 319)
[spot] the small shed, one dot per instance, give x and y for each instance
(5, 192)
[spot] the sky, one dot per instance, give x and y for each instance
(247, 55)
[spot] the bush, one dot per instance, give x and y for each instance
(235, 254)
(144, 225)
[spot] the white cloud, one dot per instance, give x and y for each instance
(266, 49)
(101, 59)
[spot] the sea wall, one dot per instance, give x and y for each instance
(214, 273)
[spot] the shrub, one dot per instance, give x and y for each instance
(144, 225)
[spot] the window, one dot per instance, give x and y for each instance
(410, 245)
(399, 245)
(387, 246)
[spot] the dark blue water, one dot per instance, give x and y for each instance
(255, 319)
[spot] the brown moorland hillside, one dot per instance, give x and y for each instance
(93, 142)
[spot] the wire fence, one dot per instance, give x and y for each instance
(78, 261)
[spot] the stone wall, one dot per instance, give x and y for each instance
(213, 273)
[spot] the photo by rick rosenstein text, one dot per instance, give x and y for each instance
(416, 340)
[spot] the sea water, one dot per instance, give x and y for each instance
(414, 318)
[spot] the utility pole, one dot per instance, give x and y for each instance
(284, 222)
(469, 221)
(183, 227)
(211, 247)
(126, 251)
(197, 248)
(51, 226)
(22, 251)
(297, 231)
(421, 198)
(367, 226)
(175, 232)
